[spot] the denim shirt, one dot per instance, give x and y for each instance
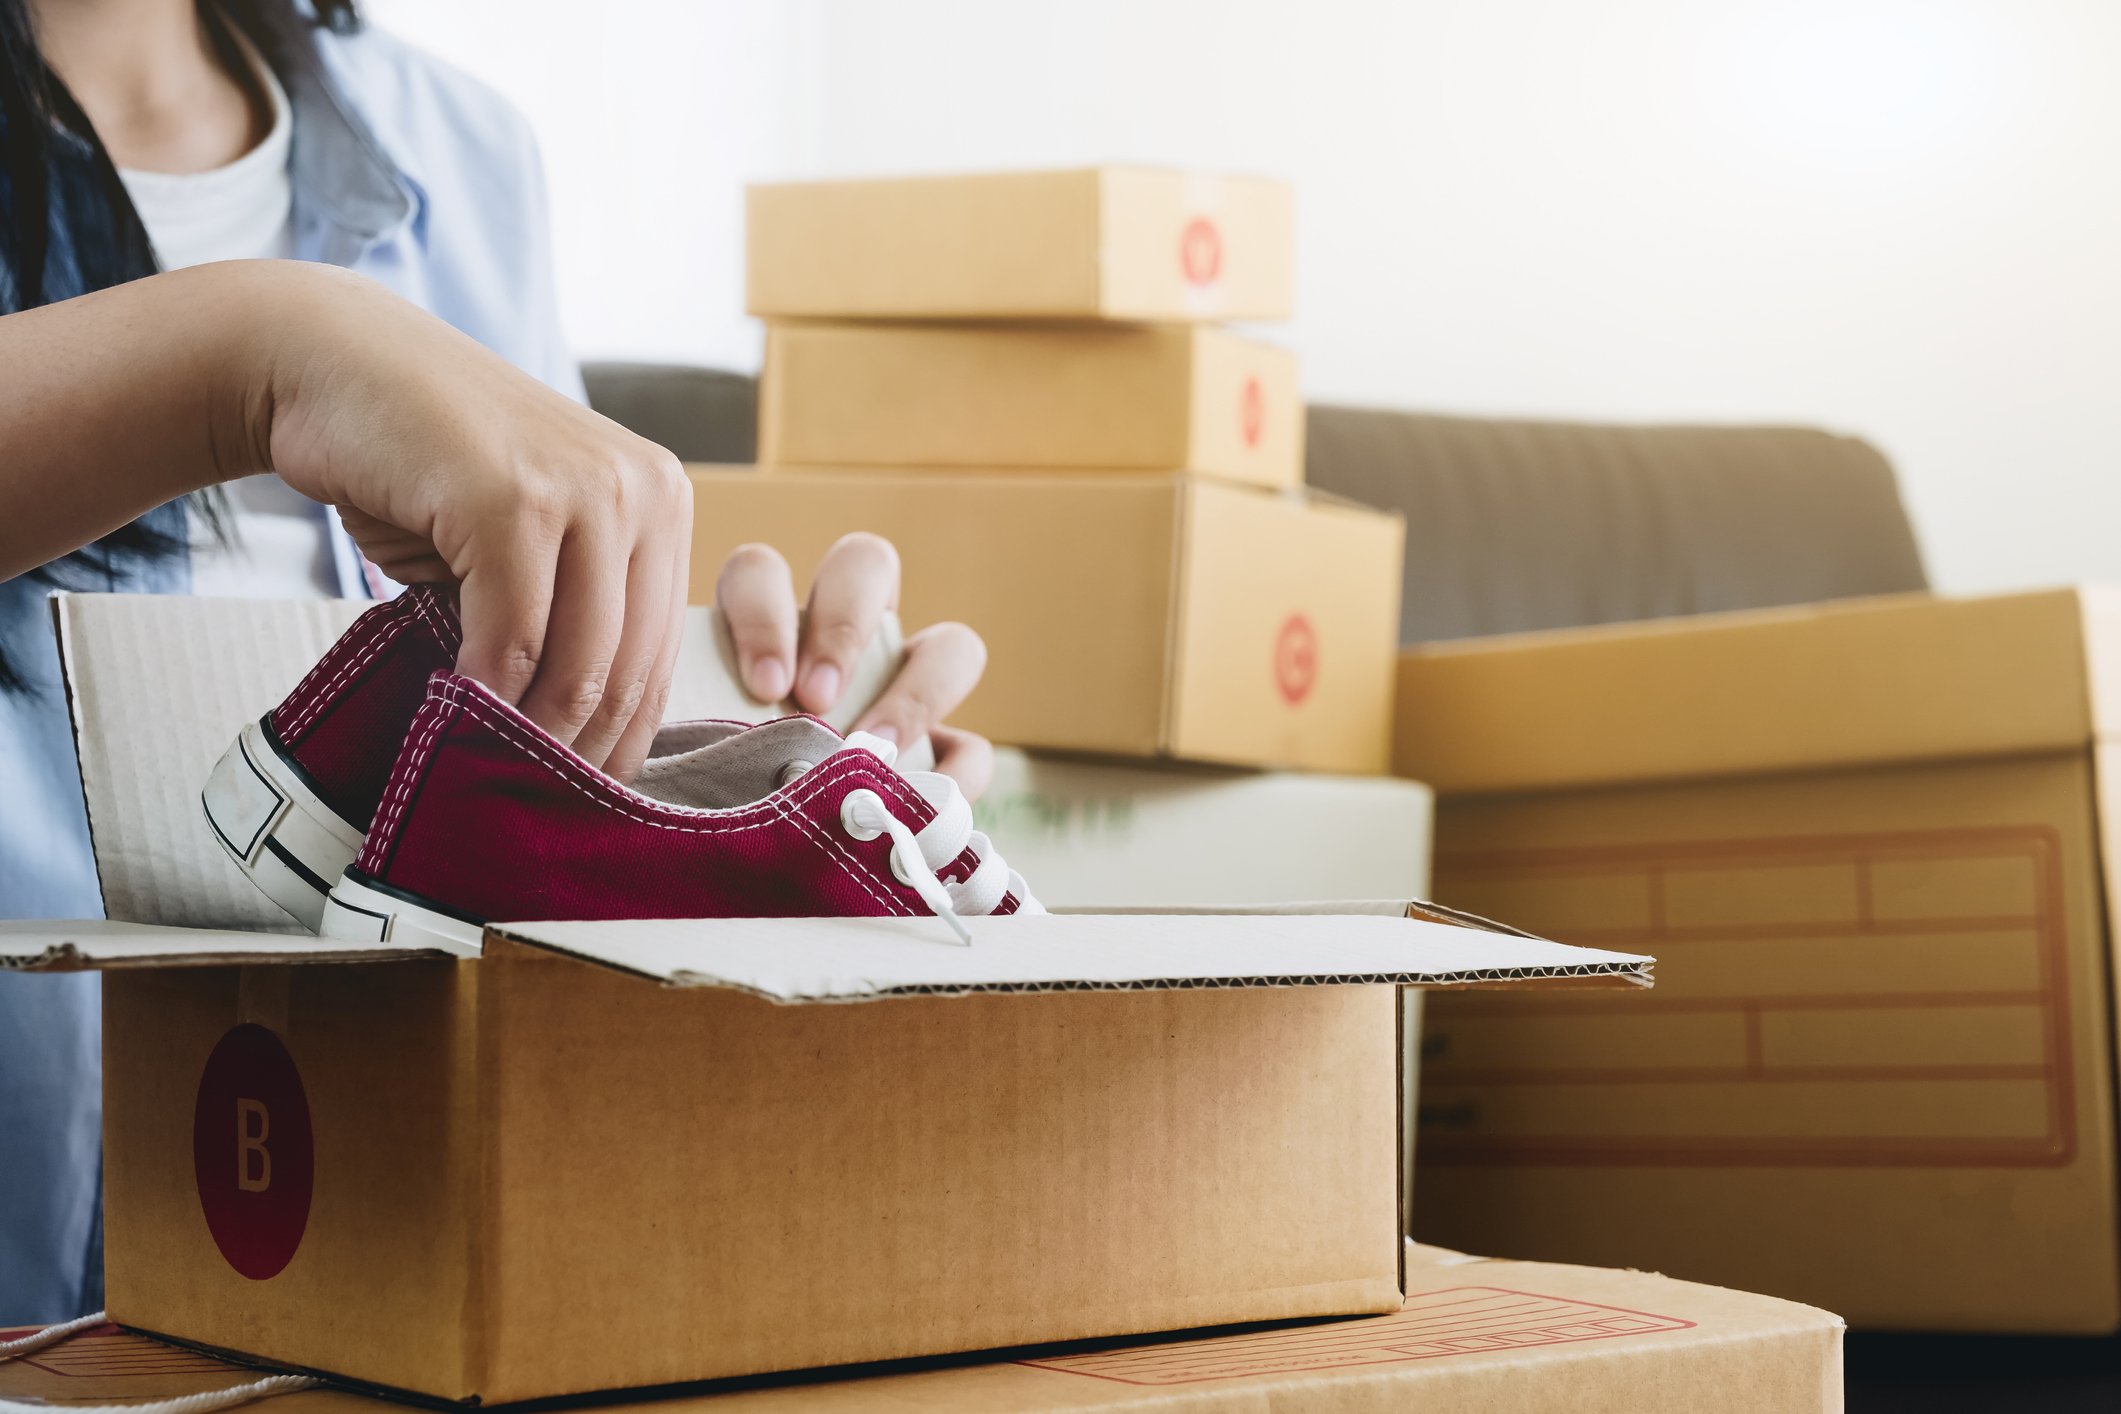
(412, 173)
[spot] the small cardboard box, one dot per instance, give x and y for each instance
(1473, 1336)
(1873, 849)
(1127, 615)
(1117, 834)
(1098, 243)
(743, 1145)
(1156, 397)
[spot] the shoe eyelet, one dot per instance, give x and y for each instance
(852, 802)
(794, 771)
(898, 870)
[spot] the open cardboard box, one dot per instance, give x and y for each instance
(601, 1156)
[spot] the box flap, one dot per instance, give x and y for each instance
(1895, 679)
(864, 959)
(96, 945)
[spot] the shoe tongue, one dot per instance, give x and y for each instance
(738, 769)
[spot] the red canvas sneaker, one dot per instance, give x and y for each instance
(292, 799)
(490, 819)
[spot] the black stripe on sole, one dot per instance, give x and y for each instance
(300, 870)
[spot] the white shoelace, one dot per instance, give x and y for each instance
(916, 855)
(200, 1403)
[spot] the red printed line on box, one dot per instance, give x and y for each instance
(103, 1351)
(1466, 1320)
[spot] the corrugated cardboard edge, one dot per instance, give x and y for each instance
(68, 957)
(1629, 970)
(68, 946)
(69, 674)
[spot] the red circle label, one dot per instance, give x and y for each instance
(1200, 252)
(1295, 659)
(1252, 412)
(251, 1153)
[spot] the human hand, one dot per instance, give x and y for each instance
(856, 582)
(568, 535)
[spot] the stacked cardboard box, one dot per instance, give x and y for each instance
(1015, 378)
(1471, 1337)
(1873, 846)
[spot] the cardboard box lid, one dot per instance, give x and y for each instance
(866, 959)
(1873, 681)
(1475, 1336)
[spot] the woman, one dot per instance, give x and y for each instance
(140, 411)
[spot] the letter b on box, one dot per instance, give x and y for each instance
(252, 1157)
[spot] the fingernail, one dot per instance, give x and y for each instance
(885, 731)
(768, 679)
(821, 687)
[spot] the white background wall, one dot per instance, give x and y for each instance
(1900, 218)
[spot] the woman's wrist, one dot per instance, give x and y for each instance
(272, 327)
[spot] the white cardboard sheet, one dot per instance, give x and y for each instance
(864, 959)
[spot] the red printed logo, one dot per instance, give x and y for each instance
(1200, 252)
(1252, 412)
(1295, 659)
(251, 1153)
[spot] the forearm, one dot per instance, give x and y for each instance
(118, 401)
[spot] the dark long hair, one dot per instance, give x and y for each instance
(55, 172)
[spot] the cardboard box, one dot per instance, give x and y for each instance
(1102, 833)
(744, 1145)
(1156, 397)
(1871, 845)
(1472, 1337)
(1123, 243)
(1127, 615)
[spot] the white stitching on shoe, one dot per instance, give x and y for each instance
(585, 779)
(599, 787)
(449, 634)
(392, 809)
(854, 866)
(381, 637)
